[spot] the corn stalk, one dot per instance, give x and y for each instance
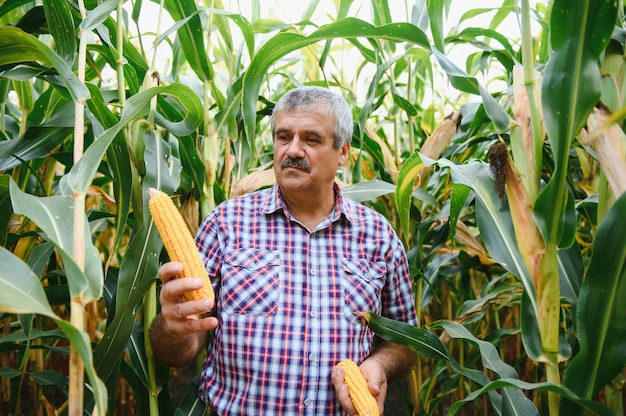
(77, 305)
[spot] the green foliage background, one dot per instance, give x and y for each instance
(520, 287)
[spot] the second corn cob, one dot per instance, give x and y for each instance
(363, 400)
(178, 241)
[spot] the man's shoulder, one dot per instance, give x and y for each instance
(249, 201)
(363, 213)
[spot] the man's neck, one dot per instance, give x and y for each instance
(308, 209)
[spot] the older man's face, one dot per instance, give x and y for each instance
(305, 159)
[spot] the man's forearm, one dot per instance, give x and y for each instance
(395, 360)
(171, 349)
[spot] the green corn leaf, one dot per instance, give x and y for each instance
(286, 42)
(513, 400)
(493, 220)
(8, 6)
(24, 91)
(435, 18)
(191, 36)
(6, 210)
(139, 266)
(496, 230)
(420, 340)
(80, 176)
(404, 190)
(505, 383)
(137, 353)
(51, 214)
(473, 33)
(98, 15)
(490, 356)
(191, 161)
(118, 159)
(38, 141)
(426, 343)
(137, 271)
(571, 272)
(601, 315)
(230, 109)
(191, 405)
(466, 83)
(62, 29)
(458, 197)
(4, 89)
(368, 190)
(17, 47)
(20, 337)
(22, 293)
(44, 377)
(580, 31)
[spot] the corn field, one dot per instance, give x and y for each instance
(489, 133)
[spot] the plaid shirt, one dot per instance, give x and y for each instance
(287, 298)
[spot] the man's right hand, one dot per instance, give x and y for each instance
(179, 333)
(182, 317)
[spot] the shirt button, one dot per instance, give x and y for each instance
(313, 272)
(307, 402)
(313, 314)
(312, 357)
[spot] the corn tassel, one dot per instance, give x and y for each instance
(363, 400)
(178, 241)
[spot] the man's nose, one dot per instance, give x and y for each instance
(296, 148)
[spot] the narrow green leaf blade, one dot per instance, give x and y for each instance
(368, 190)
(62, 29)
(435, 18)
(98, 15)
(139, 266)
(137, 271)
(494, 221)
(466, 83)
(17, 46)
(6, 210)
(37, 141)
(191, 405)
(404, 190)
(191, 37)
(54, 215)
(594, 407)
(601, 315)
(80, 176)
(571, 87)
(420, 340)
(21, 290)
(513, 400)
(286, 42)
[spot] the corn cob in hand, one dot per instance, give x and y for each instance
(178, 241)
(363, 400)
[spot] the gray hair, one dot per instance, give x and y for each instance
(309, 97)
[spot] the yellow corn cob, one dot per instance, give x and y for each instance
(178, 241)
(363, 400)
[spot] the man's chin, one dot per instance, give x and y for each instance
(293, 182)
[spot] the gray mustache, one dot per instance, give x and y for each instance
(295, 163)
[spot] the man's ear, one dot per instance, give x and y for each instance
(343, 154)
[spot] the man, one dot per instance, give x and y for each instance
(292, 266)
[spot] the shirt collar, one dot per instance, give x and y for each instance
(274, 202)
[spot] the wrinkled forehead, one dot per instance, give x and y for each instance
(311, 119)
